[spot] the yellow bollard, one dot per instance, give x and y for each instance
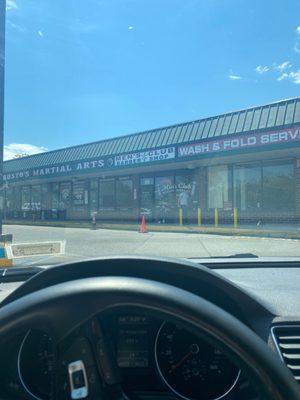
(180, 216)
(216, 217)
(199, 217)
(235, 217)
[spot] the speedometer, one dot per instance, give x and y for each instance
(35, 364)
(191, 367)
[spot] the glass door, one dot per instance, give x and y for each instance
(147, 197)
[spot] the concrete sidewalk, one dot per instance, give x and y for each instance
(88, 243)
(272, 231)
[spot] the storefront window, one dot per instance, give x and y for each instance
(10, 198)
(65, 195)
(36, 197)
(147, 196)
(107, 193)
(247, 186)
(185, 189)
(25, 198)
(55, 196)
(164, 197)
(278, 186)
(218, 186)
(80, 193)
(124, 192)
(46, 196)
(17, 198)
(94, 195)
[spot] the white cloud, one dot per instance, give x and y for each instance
(11, 5)
(234, 77)
(14, 150)
(293, 76)
(130, 28)
(262, 69)
(297, 47)
(297, 44)
(283, 66)
(283, 76)
(40, 33)
(15, 26)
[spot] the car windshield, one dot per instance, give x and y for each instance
(149, 127)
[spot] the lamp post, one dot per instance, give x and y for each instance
(2, 66)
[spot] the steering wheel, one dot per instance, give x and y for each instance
(64, 306)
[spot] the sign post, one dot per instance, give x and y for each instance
(2, 65)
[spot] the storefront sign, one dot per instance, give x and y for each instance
(177, 187)
(141, 157)
(164, 154)
(106, 163)
(56, 170)
(240, 142)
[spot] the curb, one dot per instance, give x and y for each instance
(193, 229)
(208, 231)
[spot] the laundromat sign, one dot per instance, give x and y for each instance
(240, 142)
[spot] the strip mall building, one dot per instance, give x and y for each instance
(248, 159)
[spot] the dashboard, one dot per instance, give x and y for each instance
(141, 356)
(128, 353)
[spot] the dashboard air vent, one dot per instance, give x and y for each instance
(287, 341)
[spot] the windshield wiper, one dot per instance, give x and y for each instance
(236, 255)
(240, 255)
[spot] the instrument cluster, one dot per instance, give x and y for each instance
(133, 353)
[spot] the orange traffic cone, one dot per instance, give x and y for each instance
(143, 228)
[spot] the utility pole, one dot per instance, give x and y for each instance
(2, 66)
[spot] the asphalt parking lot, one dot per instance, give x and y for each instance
(86, 243)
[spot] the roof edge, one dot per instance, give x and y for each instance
(153, 129)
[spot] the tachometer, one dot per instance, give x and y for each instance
(35, 364)
(191, 367)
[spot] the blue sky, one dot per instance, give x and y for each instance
(80, 71)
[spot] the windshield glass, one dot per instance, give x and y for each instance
(149, 127)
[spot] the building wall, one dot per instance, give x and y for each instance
(262, 191)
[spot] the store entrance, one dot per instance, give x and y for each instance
(162, 196)
(147, 198)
